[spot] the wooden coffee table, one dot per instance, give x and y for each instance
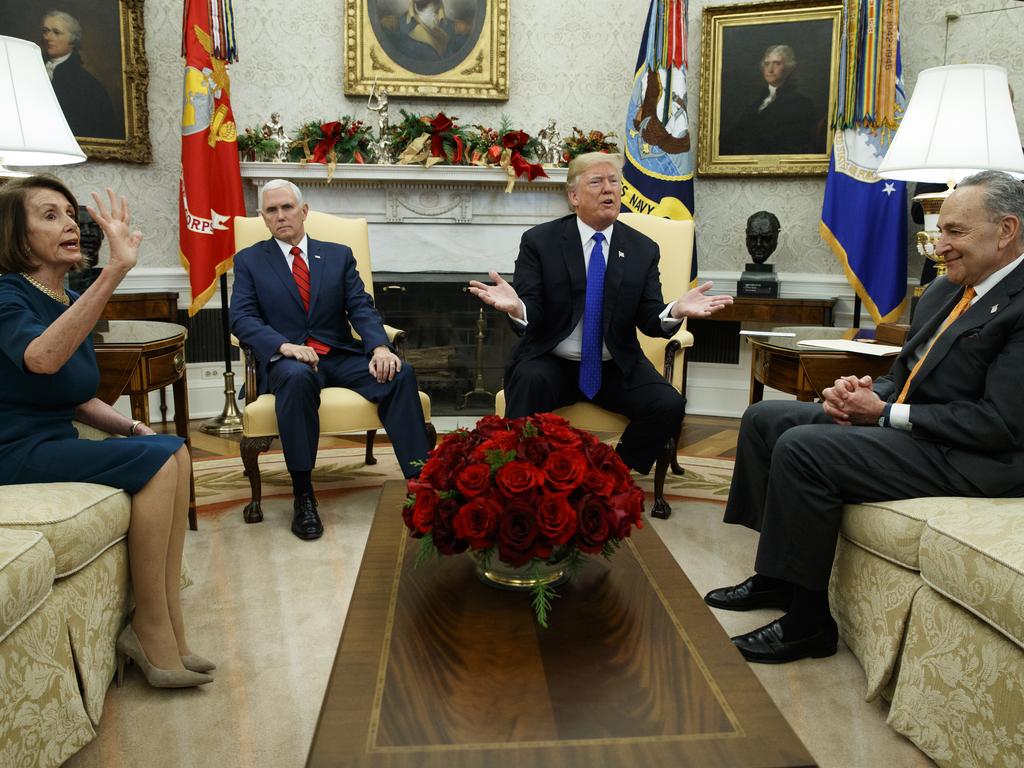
(436, 669)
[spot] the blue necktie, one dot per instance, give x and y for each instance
(590, 351)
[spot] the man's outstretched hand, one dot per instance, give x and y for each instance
(501, 295)
(696, 303)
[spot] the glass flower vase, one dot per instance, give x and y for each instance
(495, 573)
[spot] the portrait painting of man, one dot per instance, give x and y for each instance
(427, 37)
(775, 88)
(81, 46)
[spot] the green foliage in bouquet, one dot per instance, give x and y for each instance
(253, 145)
(345, 140)
(593, 141)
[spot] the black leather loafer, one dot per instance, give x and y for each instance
(746, 597)
(306, 522)
(766, 645)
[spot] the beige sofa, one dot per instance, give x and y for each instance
(929, 596)
(64, 596)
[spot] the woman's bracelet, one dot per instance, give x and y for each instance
(131, 429)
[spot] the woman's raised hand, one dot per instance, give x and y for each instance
(115, 221)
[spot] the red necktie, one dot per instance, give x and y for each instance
(301, 274)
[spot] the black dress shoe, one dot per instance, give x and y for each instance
(747, 597)
(767, 646)
(306, 522)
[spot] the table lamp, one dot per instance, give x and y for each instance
(959, 121)
(33, 129)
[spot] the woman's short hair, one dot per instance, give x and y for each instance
(583, 163)
(15, 255)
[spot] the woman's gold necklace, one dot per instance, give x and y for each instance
(61, 297)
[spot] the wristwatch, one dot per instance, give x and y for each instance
(883, 420)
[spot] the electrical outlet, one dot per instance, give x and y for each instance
(212, 373)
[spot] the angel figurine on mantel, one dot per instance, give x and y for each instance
(274, 129)
(378, 102)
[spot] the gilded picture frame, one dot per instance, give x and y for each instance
(102, 76)
(454, 49)
(769, 74)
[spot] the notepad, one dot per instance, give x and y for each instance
(859, 347)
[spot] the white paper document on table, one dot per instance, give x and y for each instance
(843, 345)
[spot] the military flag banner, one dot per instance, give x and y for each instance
(864, 217)
(211, 183)
(658, 174)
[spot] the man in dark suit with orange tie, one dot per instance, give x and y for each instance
(293, 301)
(579, 334)
(947, 420)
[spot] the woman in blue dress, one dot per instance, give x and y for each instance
(49, 376)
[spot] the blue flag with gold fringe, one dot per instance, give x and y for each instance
(864, 217)
(658, 175)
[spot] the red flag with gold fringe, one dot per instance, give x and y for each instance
(210, 194)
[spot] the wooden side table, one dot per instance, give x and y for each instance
(748, 309)
(780, 363)
(137, 357)
(154, 305)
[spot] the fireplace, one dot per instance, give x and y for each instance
(456, 344)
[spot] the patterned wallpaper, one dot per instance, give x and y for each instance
(565, 64)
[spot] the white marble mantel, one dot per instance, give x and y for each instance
(426, 220)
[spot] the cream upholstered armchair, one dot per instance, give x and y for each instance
(341, 410)
(675, 240)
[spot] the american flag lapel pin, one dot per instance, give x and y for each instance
(995, 308)
(622, 255)
(316, 255)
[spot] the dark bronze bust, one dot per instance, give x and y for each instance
(758, 279)
(90, 239)
(762, 235)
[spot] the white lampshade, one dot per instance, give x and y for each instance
(33, 129)
(959, 121)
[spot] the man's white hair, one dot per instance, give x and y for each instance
(74, 28)
(278, 184)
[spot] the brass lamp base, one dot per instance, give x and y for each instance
(930, 203)
(230, 420)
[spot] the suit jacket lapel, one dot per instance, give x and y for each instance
(316, 272)
(979, 313)
(614, 272)
(279, 266)
(572, 255)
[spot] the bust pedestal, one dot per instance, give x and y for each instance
(758, 280)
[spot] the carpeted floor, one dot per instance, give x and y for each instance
(270, 608)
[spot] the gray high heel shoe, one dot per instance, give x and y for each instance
(197, 663)
(129, 647)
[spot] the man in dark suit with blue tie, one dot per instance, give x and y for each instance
(947, 420)
(293, 301)
(579, 334)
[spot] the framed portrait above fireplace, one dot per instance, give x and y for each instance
(433, 48)
(95, 54)
(769, 74)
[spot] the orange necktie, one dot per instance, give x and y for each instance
(301, 274)
(958, 310)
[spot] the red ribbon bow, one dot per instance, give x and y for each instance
(332, 134)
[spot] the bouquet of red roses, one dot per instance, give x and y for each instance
(525, 490)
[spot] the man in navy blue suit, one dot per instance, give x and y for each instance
(550, 306)
(293, 302)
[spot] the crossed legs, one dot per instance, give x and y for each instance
(794, 471)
